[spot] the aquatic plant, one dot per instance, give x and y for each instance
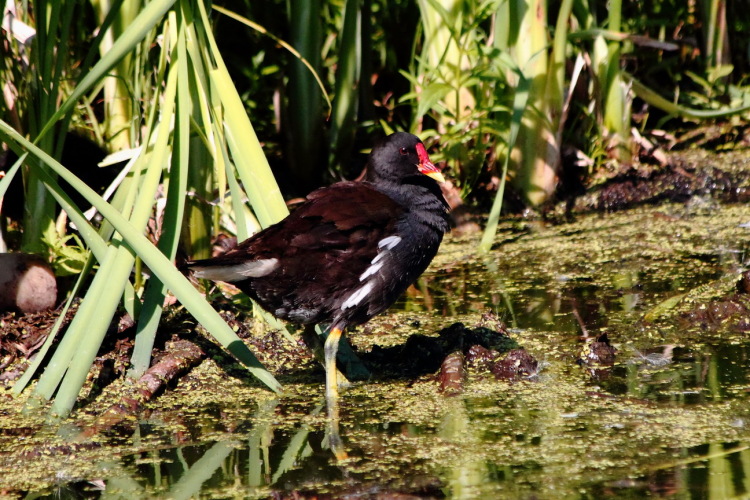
(192, 118)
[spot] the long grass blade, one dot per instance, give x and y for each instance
(78, 348)
(348, 74)
(520, 100)
(247, 153)
(89, 327)
(157, 262)
(656, 100)
(155, 293)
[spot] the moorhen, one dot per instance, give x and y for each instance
(349, 251)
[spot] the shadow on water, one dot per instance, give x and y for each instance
(670, 417)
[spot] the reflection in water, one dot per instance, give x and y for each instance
(628, 431)
(539, 448)
(247, 466)
(536, 303)
(715, 471)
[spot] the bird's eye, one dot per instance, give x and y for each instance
(403, 151)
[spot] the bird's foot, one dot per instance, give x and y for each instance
(342, 382)
(335, 443)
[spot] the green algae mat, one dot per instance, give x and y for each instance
(664, 414)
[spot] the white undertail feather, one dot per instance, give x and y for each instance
(237, 272)
(384, 247)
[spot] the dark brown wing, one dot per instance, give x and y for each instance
(332, 219)
(322, 249)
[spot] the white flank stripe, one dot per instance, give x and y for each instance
(378, 257)
(237, 272)
(357, 296)
(375, 267)
(389, 242)
(384, 245)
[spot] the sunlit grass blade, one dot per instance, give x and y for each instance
(155, 293)
(535, 158)
(158, 263)
(84, 336)
(346, 91)
(520, 101)
(248, 156)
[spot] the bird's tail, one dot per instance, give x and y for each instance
(230, 271)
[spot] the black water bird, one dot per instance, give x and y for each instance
(349, 251)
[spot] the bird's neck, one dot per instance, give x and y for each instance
(420, 196)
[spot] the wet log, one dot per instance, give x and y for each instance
(452, 374)
(180, 356)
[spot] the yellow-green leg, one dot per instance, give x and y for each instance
(332, 392)
(329, 349)
(354, 367)
(353, 364)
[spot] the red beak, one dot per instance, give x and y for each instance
(426, 166)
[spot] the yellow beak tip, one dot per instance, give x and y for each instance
(437, 176)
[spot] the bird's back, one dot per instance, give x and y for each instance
(351, 249)
(335, 256)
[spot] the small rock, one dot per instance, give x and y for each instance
(516, 365)
(480, 357)
(27, 283)
(598, 351)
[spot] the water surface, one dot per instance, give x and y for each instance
(671, 418)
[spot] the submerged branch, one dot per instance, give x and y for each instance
(180, 356)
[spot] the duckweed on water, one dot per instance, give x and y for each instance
(671, 412)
